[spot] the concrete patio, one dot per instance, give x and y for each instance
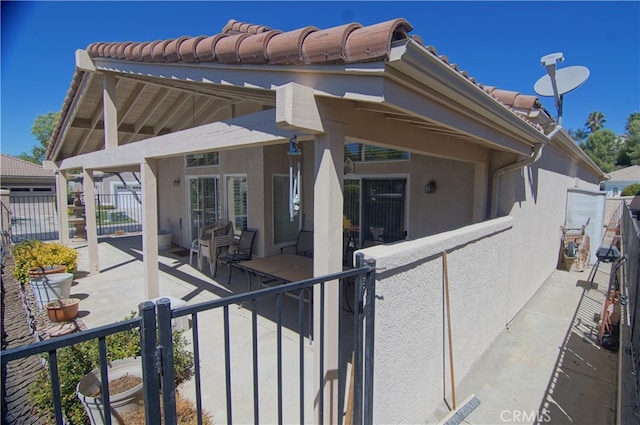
(544, 368)
(116, 292)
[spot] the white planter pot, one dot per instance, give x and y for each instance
(164, 241)
(120, 403)
(51, 287)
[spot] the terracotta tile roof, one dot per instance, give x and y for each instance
(244, 43)
(15, 167)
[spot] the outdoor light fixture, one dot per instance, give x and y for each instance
(176, 182)
(295, 156)
(430, 187)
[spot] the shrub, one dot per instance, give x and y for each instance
(75, 361)
(34, 254)
(631, 190)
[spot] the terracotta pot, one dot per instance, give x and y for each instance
(63, 310)
(46, 270)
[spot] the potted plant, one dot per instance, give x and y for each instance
(48, 267)
(77, 362)
(125, 390)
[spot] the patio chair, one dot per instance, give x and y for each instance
(243, 251)
(195, 249)
(303, 245)
(212, 239)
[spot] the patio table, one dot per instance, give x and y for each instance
(282, 267)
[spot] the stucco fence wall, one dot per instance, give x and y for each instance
(411, 355)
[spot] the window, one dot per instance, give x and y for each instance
(237, 209)
(283, 229)
(358, 152)
(201, 159)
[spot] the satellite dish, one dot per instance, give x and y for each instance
(567, 79)
(557, 82)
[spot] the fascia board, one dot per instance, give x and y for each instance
(415, 61)
(69, 116)
(568, 145)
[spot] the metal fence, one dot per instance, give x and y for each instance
(631, 250)
(155, 324)
(36, 217)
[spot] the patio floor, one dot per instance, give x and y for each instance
(116, 292)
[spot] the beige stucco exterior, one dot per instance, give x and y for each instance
(494, 267)
(457, 135)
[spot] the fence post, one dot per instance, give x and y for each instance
(357, 343)
(150, 369)
(166, 354)
(370, 312)
(5, 216)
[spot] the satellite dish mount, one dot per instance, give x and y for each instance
(558, 82)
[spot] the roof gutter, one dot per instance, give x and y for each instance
(533, 158)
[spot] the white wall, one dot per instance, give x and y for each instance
(411, 361)
(494, 269)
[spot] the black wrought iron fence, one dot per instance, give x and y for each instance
(631, 250)
(36, 217)
(155, 322)
(33, 217)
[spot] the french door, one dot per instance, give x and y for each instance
(204, 202)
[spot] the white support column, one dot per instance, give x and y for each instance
(63, 213)
(480, 183)
(88, 187)
(328, 210)
(148, 171)
(110, 111)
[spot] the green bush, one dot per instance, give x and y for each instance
(631, 190)
(35, 254)
(76, 361)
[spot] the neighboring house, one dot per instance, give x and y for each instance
(617, 180)
(31, 205)
(24, 178)
(394, 138)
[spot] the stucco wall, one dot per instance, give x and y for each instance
(411, 361)
(494, 269)
(536, 198)
(172, 200)
(450, 207)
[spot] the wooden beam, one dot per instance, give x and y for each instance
(110, 111)
(245, 131)
(296, 109)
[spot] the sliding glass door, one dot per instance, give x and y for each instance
(374, 210)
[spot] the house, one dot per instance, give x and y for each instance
(28, 209)
(617, 180)
(397, 146)
(24, 178)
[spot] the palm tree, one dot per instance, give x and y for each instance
(579, 135)
(595, 121)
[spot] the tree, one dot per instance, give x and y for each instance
(595, 121)
(630, 151)
(41, 129)
(603, 148)
(579, 135)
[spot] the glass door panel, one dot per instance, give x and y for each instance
(204, 205)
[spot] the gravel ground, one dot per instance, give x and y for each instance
(20, 326)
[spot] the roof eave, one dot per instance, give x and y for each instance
(416, 61)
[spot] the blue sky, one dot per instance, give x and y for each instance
(498, 43)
